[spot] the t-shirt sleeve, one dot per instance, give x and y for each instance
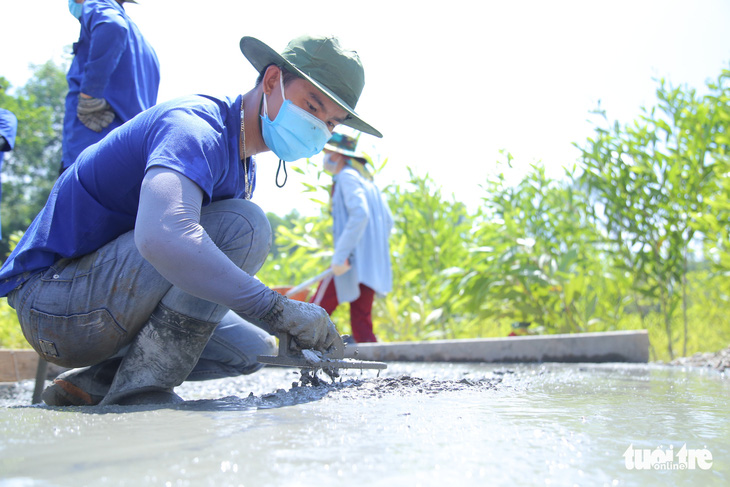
(186, 143)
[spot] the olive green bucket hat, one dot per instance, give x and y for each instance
(337, 72)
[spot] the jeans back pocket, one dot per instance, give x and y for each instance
(76, 340)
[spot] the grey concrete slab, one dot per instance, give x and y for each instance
(22, 364)
(17, 365)
(617, 346)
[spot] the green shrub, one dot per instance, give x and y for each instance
(10, 334)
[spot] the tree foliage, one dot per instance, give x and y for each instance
(31, 169)
(536, 254)
(658, 182)
(634, 235)
(614, 244)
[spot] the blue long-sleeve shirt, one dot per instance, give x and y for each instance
(361, 227)
(112, 60)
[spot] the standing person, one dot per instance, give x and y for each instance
(151, 241)
(8, 129)
(114, 75)
(361, 226)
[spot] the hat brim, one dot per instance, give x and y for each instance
(344, 152)
(260, 55)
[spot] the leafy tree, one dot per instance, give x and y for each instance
(534, 254)
(635, 236)
(279, 224)
(301, 245)
(713, 224)
(655, 181)
(31, 169)
(428, 246)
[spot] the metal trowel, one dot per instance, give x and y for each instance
(291, 356)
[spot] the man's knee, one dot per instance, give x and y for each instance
(241, 230)
(267, 346)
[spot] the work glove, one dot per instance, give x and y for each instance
(95, 113)
(307, 323)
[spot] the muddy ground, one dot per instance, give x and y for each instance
(277, 387)
(719, 361)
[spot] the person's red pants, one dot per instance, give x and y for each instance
(361, 318)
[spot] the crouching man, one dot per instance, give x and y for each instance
(148, 244)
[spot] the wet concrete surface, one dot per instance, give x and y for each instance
(278, 386)
(413, 424)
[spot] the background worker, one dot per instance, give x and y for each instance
(114, 75)
(361, 226)
(151, 241)
(8, 129)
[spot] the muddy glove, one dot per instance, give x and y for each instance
(309, 324)
(95, 113)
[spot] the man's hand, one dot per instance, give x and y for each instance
(95, 113)
(339, 269)
(309, 324)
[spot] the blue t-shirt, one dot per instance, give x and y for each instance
(96, 200)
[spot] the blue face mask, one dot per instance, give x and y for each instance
(295, 133)
(75, 8)
(330, 166)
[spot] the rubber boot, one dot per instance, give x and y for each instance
(160, 358)
(85, 386)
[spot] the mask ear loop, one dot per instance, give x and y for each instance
(281, 84)
(283, 98)
(281, 162)
(286, 176)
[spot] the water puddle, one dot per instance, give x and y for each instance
(415, 424)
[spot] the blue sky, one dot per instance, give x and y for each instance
(449, 84)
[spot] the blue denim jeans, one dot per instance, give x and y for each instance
(82, 311)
